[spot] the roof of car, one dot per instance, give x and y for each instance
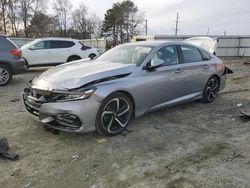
(155, 43)
(56, 38)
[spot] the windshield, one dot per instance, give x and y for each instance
(31, 43)
(127, 54)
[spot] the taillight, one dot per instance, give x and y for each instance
(16, 52)
(219, 67)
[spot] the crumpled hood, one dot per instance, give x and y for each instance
(78, 73)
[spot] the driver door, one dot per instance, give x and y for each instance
(163, 85)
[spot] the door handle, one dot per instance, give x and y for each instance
(178, 71)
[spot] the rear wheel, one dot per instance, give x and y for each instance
(73, 58)
(211, 90)
(5, 75)
(92, 56)
(114, 114)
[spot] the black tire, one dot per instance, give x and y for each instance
(73, 58)
(211, 90)
(108, 120)
(5, 75)
(27, 64)
(92, 56)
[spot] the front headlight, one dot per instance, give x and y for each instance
(61, 96)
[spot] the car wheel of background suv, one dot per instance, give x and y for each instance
(92, 56)
(211, 90)
(73, 58)
(114, 114)
(5, 75)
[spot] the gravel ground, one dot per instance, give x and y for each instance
(191, 145)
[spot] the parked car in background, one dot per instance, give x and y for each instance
(54, 51)
(207, 43)
(11, 62)
(125, 82)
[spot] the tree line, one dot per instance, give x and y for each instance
(29, 18)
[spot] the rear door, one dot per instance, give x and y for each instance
(61, 50)
(196, 68)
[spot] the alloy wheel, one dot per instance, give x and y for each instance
(4, 76)
(115, 115)
(212, 89)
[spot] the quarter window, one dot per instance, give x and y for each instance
(168, 54)
(191, 54)
(205, 55)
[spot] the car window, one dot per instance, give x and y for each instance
(61, 44)
(191, 54)
(168, 54)
(42, 45)
(126, 54)
(6, 45)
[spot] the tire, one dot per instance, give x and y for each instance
(211, 90)
(5, 75)
(27, 64)
(113, 119)
(92, 56)
(73, 58)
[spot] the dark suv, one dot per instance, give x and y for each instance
(11, 62)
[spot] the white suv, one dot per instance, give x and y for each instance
(53, 51)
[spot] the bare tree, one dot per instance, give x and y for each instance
(94, 25)
(63, 10)
(87, 25)
(13, 16)
(80, 20)
(27, 9)
(3, 14)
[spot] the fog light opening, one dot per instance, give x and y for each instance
(69, 119)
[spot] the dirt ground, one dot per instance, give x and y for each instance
(191, 145)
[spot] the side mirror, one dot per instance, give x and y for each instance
(32, 48)
(154, 63)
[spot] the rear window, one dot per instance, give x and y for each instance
(6, 45)
(61, 44)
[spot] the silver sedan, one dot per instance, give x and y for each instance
(125, 82)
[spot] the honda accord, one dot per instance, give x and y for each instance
(123, 83)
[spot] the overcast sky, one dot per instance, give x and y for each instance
(196, 16)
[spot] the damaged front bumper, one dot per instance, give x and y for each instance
(70, 116)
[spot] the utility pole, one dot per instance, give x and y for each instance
(208, 31)
(177, 23)
(146, 27)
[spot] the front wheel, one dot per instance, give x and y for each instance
(114, 114)
(5, 75)
(211, 90)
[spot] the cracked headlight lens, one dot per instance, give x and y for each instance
(72, 96)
